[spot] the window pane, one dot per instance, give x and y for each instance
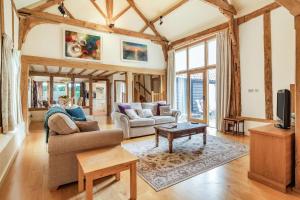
(197, 96)
(212, 52)
(212, 100)
(181, 96)
(196, 56)
(180, 60)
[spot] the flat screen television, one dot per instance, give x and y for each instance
(284, 109)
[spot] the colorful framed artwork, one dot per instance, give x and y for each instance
(132, 51)
(82, 46)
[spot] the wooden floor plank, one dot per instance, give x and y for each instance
(27, 179)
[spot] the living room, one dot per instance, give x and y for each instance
(131, 99)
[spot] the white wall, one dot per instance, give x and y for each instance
(46, 40)
(10, 142)
(252, 62)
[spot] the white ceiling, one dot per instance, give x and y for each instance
(193, 16)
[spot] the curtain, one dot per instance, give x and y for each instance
(171, 76)
(224, 63)
(10, 86)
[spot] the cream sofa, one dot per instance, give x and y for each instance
(62, 151)
(143, 126)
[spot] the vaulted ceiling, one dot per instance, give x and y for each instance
(188, 16)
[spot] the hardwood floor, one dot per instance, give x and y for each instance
(27, 179)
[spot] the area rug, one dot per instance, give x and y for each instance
(161, 169)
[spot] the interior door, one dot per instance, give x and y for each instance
(197, 97)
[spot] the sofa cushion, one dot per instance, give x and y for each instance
(131, 113)
(123, 107)
(163, 119)
(141, 122)
(165, 110)
(76, 113)
(62, 124)
(145, 113)
(87, 126)
(136, 106)
(152, 106)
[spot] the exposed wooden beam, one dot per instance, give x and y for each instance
(55, 74)
(71, 71)
(102, 73)
(109, 11)
(84, 70)
(46, 68)
(258, 12)
(115, 18)
(292, 5)
(144, 28)
(197, 36)
(59, 70)
(111, 73)
(93, 72)
(47, 18)
(169, 10)
(89, 65)
(268, 66)
(46, 5)
(224, 6)
(69, 13)
(98, 8)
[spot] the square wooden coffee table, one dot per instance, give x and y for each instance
(181, 130)
(99, 163)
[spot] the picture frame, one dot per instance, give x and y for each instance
(133, 51)
(82, 45)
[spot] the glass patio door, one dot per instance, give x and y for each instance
(197, 97)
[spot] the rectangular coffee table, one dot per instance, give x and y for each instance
(99, 163)
(182, 130)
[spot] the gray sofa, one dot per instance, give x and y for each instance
(143, 126)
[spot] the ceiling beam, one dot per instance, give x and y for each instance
(292, 5)
(82, 71)
(71, 71)
(102, 73)
(109, 11)
(47, 17)
(46, 68)
(46, 5)
(59, 70)
(34, 73)
(115, 18)
(169, 10)
(93, 72)
(69, 13)
(224, 6)
(98, 9)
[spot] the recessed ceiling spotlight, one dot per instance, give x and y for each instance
(61, 8)
(161, 20)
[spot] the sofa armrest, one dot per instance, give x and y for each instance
(59, 144)
(176, 114)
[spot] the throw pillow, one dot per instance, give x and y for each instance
(62, 124)
(145, 113)
(77, 114)
(123, 107)
(87, 126)
(159, 105)
(165, 111)
(131, 114)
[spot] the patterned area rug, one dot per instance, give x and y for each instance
(189, 158)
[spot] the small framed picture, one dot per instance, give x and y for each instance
(132, 51)
(82, 45)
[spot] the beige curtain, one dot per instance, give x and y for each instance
(171, 76)
(223, 77)
(10, 86)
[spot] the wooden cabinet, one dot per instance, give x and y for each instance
(272, 156)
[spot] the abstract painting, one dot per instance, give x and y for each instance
(134, 51)
(82, 46)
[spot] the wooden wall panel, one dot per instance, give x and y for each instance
(268, 66)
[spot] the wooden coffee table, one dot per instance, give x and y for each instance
(182, 130)
(96, 164)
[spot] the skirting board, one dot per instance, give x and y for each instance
(8, 166)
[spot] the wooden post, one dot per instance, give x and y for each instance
(51, 89)
(91, 95)
(73, 89)
(268, 66)
(297, 104)
(129, 86)
(24, 92)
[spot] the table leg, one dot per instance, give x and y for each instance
(204, 137)
(118, 176)
(80, 179)
(238, 127)
(156, 138)
(170, 139)
(133, 182)
(89, 188)
(243, 128)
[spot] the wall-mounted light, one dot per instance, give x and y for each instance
(161, 20)
(61, 8)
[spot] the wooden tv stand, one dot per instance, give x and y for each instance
(272, 156)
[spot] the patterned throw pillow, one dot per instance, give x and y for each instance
(145, 113)
(165, 110)
(132, 114)
(160, 105)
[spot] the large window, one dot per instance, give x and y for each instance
(195, 81)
